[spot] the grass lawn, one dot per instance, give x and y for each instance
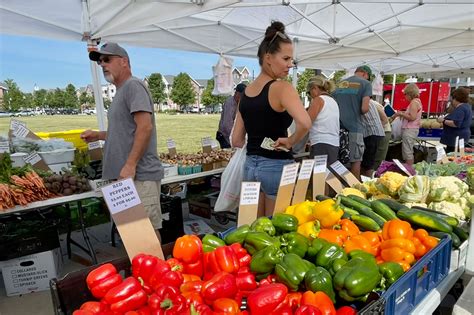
(186, 129)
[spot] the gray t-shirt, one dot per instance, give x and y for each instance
(349, 95)
(130, 98)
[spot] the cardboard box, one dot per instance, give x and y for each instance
(458, 257)
(200, 207)
(31, 273)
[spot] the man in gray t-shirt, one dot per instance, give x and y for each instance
(352, 96)
(130, 140)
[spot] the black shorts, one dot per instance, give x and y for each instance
(371, 144)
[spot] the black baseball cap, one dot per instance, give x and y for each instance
(108, 49)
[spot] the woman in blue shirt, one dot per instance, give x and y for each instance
(458, 122)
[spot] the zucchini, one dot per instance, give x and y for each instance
(366, 223)
(449, 219)
(322, 197)
(424, 220)
(455, 239)
(463, 235)
(393, 204)
(383, 210)
(361, 200)
(362, 209)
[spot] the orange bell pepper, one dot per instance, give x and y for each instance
(188, 250)
(374, 240)
(427, 240)
(400, 250)
(420, 247)
(350, 227)
(357, 242)
(319, 299)
(397, 229)
(334, 236)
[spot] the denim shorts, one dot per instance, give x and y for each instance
(266, 171)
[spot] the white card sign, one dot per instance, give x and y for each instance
(249, 193)
(461, 146)
(121, 195)
(206, 142)
(4, 147)
(20, 131)
(320, 162)
(343, 172)
(440, 153)
(288, 176)
(456, 146)
(95, 145)
(306, 169)
(15, 123)
(339, 168)
(32, 158)
(170, 143)
(401, 166)
(364, 178)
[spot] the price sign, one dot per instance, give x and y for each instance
(95, 145)
(456, 146)
(401, 166)
(206, 141)
(20, 131)
(339, 168)
(343, 172)
(461, 146)
(121, 196)
(4, 147)
(289, 174)
(440, 154)
(249, 193)
(287, 184)
(170, 143)
(303, 181)
(306, 169)
(32, 158)
(15, 123)
(320, 162)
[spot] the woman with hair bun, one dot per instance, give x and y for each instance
(266, 110)
(324, 112)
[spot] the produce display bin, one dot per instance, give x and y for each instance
(73, 136)
(416, 283)
(429, 132)
(172, 212)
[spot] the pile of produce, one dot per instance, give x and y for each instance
(66, 184)
(26, 145)
(199, 158)
(431, 124)
(434, 170)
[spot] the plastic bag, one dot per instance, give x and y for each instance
(397, 129)
(231, 181)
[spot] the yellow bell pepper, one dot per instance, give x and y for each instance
(309, 229)
(328, 213)
(290, 209)
(303, 211)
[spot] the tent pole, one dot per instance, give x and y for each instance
(393, 89)
(429, 99)
(99, 102)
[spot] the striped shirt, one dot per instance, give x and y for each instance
(372, 123)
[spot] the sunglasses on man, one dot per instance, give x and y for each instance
(105, 59)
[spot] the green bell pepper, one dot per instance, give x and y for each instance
(263, 224)
(319, 279)
(358, 277)
(211, 242)
(284, 223)
(256, 241)
(324, 253)
(264, 260)
(238, 235)
(390, 271)
(361, 253)
(336, 265)
(291, 270)
(294, 243)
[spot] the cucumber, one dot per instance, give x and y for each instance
(348, 210)
(449, 219)
(463, 235)
(361, 200)
(383, 210)
(394, 205)
(455, 239)
(424, 220)
(322, 197)
(366, 223)
(362, 209)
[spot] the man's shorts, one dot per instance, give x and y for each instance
(371, 145)
(356, 146)
(149, 193)
(266, 171)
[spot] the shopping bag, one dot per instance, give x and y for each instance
(231, 180)
(397, 129)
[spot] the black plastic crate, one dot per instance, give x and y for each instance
(172, 213)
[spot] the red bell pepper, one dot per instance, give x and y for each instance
(188, 249)
(194, 298)
(268, 280)
(346, 310)
(242, 254)
(245, 280)
(221, 285)
(102, 279)
(225, 305)
(82, 312)
(175, 264)
(282, 309)
(126, 296)
(95, 307)
(149, 270)
(188, 277)
(321, 300)
(144, 310)
(167, 300)
(267, 298)
(223, 259)
(308, 310)
(201, 309)
(293, 299)
(191, 286)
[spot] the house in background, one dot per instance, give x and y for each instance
(3, 91)
(108, 91)
(241, 74)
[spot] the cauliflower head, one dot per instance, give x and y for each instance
(390, 182)
(447, 188)
(450, 208)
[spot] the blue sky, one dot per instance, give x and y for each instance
(52, 63)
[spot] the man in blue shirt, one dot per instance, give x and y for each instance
(353, 96)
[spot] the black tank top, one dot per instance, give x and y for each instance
(260, 121)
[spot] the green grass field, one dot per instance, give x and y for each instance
(187, 130)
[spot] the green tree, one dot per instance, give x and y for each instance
(86, 99)
(13, 99)
(208, 99)
(388, 79)
(39, 98)
(303, 80)
(57, 98)
(70, 97)
(107, 103)
(28, 100)
(157, 87)
(183, 93)
(338, 76)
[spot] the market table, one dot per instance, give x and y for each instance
(184, 178)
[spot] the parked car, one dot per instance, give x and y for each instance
(5, 114)
(24, 113)
(89, 111)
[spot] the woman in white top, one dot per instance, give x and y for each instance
(324, 113)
